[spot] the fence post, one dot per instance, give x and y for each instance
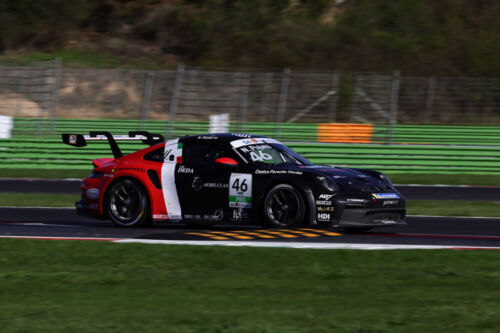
(176, 91)
(282, 102)
(47, 73)
(429, 103)
(393, 107)
(354, 103)
(334, 86)
(146, 97)
(242, 104)
(55, 93)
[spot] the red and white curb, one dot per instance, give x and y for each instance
(294, 245)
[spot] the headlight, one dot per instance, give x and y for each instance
(385, 179)
(328, 183)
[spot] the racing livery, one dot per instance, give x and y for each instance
(231, 178)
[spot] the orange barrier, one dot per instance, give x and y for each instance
(340, 132)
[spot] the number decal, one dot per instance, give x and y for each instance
(260, 156)
(240, 191)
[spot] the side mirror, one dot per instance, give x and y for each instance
(226, 161)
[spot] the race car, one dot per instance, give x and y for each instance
(231, 178)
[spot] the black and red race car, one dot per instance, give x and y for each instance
(231, 178)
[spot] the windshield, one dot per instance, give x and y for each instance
(273, 154)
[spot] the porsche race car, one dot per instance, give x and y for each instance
(231, 178)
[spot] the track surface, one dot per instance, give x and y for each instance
(421, 192)
(460, 232)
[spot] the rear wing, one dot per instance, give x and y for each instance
(80, 140)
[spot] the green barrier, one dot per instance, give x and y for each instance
(53, 154)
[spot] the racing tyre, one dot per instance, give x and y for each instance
(284, 207)
(127, 203)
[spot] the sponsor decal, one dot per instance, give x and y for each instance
(390, 202)
(239, 214)
(323, 217)
(326, 196)
(385, 196)
(216, 216)
(72, 139)
(357, 200)
(323, 202)
(93, 193)
(215, 185)
(206, 137)
(325, 208)
(240, 190)
(337, 177)
(192, 217)
(197, 184)
(160, 216)
(183, 169)
(241, 135)
(252, 141)
(277, 172)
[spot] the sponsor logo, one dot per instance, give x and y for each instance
(192, 217)
(277, 172)
(326, 196)
(241, 135)
(216, 216)
(197, 183)
(160, 216)
(183, 169)
(72, 139)
(385, 196)
(323, 202)
(206, 137)
(323, 217)
(239, 214)
(93, 193)
(325, 209)
(356, 200)
(390, 202)
(215, 185)
(130, 169)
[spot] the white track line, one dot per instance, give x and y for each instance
(294, 245)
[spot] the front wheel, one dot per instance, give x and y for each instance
(284, 207)
(127, 203)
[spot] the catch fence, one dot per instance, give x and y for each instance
(187, 95)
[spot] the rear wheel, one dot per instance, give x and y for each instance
(284, 206)
(127, 203)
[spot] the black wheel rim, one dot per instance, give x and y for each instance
(125, 202)
(283, 207)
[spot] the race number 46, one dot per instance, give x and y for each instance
(240, 190)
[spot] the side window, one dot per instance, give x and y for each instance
(196, 154)
(155, 155)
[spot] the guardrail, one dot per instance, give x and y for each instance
(53, 154)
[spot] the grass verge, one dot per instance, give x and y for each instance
(478, 180)
(415, 207)
(453, 208)
(62, 286)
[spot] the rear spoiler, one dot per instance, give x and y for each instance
(80, 140)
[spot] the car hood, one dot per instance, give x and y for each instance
(352, 179)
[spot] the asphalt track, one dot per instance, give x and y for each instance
(444, 231)
(411, 192)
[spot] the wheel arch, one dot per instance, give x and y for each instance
(104, 196)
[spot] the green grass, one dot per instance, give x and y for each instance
(453, 208)
(415, 207)
(38, 200)
(63, 286)
(459, 179)
(79, 59)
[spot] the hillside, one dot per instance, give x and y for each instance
(422, 37)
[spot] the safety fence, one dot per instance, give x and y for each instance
(186, 94)
(53, 154)
(304, 132)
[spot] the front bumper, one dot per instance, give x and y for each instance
(82, 209)
(374, 217)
